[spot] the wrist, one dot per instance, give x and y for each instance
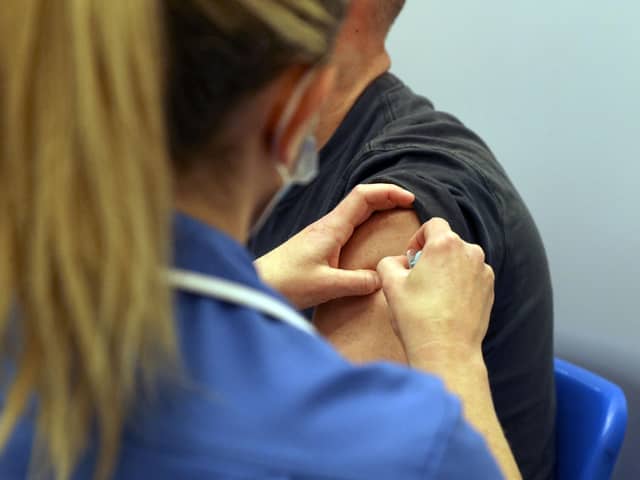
(265, 273)
(453, 362)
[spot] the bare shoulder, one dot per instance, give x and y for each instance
(360, 327)
(384, 234)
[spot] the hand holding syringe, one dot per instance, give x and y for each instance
(440, 312)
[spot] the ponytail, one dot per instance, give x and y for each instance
(85, 189)
(85, 198)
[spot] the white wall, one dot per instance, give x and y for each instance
(554, 88)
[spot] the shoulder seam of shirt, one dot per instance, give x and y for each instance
(416, 148)
(389, 110)
(389, 116)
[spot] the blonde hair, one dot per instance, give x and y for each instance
(85, 190)
(84, 210)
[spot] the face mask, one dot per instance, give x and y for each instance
(305, 171)
(305, 168)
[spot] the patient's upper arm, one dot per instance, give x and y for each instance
(360, 327)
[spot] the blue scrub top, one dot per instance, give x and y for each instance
(265, 400)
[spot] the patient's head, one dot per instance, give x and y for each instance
(384, 12)
(368, 22)
(360, 56)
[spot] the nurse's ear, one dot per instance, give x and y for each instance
(301, 96)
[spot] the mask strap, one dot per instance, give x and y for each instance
(284, 173)
(290, 108)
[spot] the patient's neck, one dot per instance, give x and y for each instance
(345, 95)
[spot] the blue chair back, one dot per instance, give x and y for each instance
(590, 425)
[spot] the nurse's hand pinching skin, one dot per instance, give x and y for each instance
(305, 269)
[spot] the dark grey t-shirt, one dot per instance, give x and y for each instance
(393, 135)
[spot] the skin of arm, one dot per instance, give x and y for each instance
(360, 327)
(469, 380)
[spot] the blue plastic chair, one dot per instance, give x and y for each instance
(590, 425)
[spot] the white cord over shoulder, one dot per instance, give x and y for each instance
(239, 294)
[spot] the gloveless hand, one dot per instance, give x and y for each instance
(441, 307)
(305, 268)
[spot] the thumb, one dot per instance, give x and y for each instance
(392, 271)
(348, 283)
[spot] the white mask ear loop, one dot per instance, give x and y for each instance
(305, 168)
(284, 173)
(288, 112)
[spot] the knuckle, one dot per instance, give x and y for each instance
(489, 273)
(434, 244)
(476, 252)
(449, 241)
(371, 284)
(360, 190)
(438, 221)
(453, 238)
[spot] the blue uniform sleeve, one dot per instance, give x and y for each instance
(465, 455)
